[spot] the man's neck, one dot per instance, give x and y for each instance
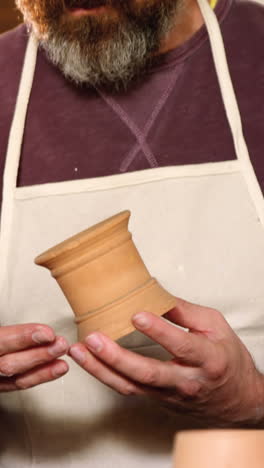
(189, 20)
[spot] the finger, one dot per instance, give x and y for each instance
(40, 375)
(18, 337)
(23, 361)
(140, 369)
(186, 348)
(43, 374)
(7, 385)
(198, 319)
(102, 372)
(123, 385)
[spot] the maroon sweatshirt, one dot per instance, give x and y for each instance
(173, 116)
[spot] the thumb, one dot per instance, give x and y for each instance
(197, 318)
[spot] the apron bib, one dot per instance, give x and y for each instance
(205, 222)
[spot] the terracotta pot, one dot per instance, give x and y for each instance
(219, 449)
(104, 279)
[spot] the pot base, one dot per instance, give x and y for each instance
(114, 319)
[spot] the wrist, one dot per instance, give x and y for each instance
(259, 402)
(249, 412)
(256, 416)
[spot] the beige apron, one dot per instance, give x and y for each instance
(205, 223)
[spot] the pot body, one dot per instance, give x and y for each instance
(104, 278)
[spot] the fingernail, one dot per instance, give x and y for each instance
(59, 347)
(77, 354)
(42, 336)
(141, 321)
(5, 375)
(94, 343)
(59, 368)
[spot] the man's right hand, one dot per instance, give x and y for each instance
(28, 356)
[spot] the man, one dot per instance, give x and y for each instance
(125, 97)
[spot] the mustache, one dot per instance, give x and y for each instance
(124, 6)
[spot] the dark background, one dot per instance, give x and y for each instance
(9, 16)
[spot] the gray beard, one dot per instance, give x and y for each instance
(114, 64)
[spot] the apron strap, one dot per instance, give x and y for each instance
(14, 150)
(231, 106)
(19, 119)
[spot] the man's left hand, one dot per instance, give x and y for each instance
(211, 373)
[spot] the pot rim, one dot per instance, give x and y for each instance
(93, 236)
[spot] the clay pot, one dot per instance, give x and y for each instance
(104, 279)
(219, 449)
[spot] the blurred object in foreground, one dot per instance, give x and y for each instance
(219, 449)
(9, 15)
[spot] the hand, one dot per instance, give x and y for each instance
(28, 356)
(211, 373)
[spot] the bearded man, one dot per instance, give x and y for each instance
(109, 105)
